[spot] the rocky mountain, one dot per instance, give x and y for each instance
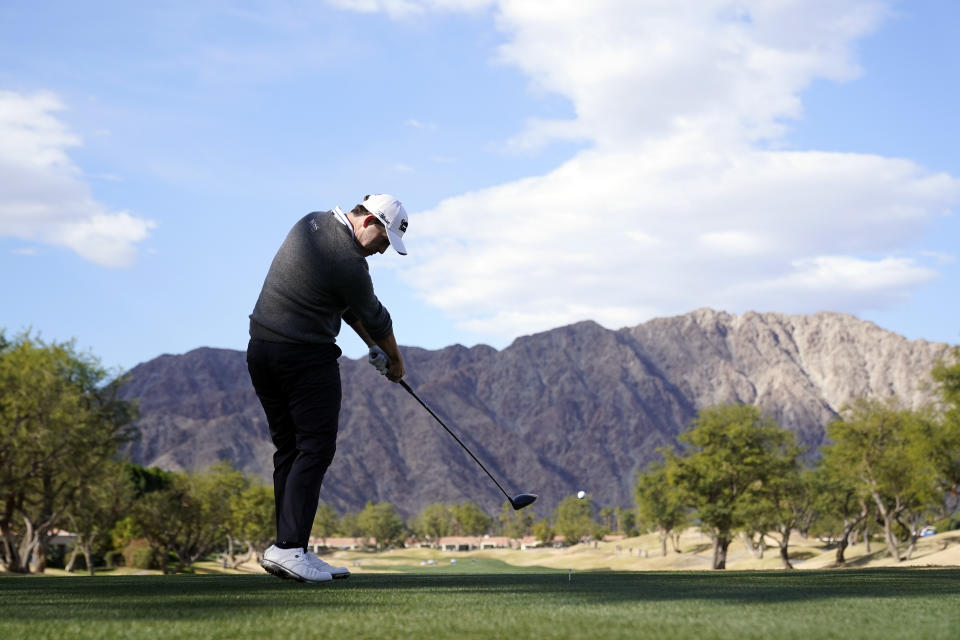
(578, 407)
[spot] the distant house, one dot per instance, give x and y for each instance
(530, 542)
(340, 544)
(459, 543)
(446, 543)
(495, 542)
(474, 543)
(61, 538)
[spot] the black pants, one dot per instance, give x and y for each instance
(299, 388)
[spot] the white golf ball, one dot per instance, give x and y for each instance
(581, 494)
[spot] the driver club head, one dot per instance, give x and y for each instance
(522, 500)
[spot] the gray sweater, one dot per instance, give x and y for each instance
(318, 276)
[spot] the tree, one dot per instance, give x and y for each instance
(728, 453)
(254, 517)
(626, 521)
(60, 420)
(573, 519)
(96, 508)
(325, 522)
(381, 522)
(781, 499)
(126, 537)
(660, 505)
(782, 504)
(840, 506)
(230, 484)
(606, 521)
(185, 520)
(516, 524)
(543, 531)
(470, 520)
(349, 525)
(147, 479)
(891, 454)
(433, 522)
(248, 514)
(947, 379)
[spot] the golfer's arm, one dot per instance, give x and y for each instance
(388, 344)
(361, 331)
(397, 368)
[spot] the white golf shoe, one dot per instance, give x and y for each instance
(293, 564)
(336, 572)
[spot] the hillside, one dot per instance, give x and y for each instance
(577, 407)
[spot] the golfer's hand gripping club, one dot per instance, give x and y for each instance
(378, 358)
(393, 369)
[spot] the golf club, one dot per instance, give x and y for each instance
(518, 501)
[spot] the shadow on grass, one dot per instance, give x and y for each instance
(195, 597)
(699, 548)
(753, 587)
(865, 559)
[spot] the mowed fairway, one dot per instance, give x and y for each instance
(487, 602)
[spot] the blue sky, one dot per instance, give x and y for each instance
(611, 160)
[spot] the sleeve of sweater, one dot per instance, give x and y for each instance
(355, 287)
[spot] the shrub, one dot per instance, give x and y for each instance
(139, 554)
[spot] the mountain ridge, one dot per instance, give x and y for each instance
(576, 407)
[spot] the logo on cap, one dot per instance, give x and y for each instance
(393, 216)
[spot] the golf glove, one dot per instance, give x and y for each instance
(378, 358)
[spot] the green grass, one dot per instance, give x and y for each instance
(456, 602)
(467, 565)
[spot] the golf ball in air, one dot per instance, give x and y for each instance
(581, 494)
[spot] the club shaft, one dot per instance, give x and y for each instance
(423, 404)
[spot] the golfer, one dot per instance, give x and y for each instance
(318, 277)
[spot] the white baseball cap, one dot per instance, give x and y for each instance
(393, 216)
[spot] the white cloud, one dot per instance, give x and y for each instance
(43, 196)
(418, 124)
(636, 69)
(734, 242)
(408, 8)
(939, 257)
(837, 281)
(679, 201)
(618, 238)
